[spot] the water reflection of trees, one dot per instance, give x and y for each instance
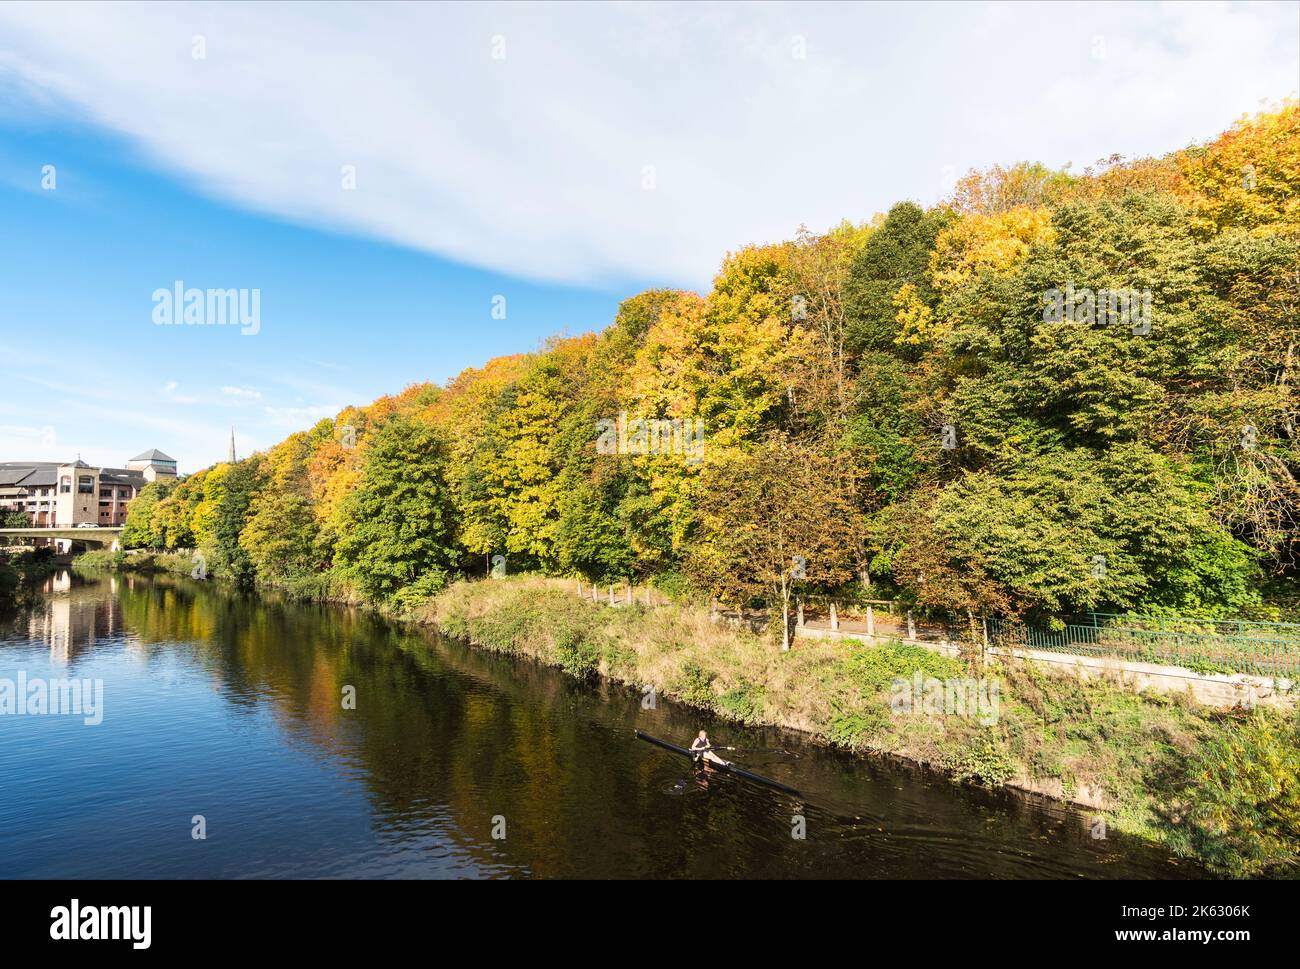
(441, 733)
(444, 737)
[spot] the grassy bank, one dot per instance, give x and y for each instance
(1223, 788)
(175, 563)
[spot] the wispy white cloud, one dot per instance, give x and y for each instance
(747, 119)
(91, 412)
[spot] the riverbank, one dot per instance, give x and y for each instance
(1222, 787)
(21, 572)
(144, 563)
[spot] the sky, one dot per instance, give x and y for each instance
(413, 189)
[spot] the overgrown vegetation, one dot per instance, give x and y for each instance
(21, 572)
(1223, 789)
(176, 563)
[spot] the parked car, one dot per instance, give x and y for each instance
(87, 525)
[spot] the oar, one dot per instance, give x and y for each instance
(753, 750)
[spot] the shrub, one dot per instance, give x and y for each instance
(855, 728)
(982, 759)
(873, 669)
(421, 590)
(743, 703)
(1237, 806)
(575, 654)
(695, 686)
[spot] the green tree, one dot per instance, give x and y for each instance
(398, 523)
(141, 530)
(229, 558)
(897, 253)
(1069, 531)
(280, 536)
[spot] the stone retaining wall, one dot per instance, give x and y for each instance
(1211, 689)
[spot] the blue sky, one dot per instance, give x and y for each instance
(563, 157)
(344, 319)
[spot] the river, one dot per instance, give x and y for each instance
(224, 714)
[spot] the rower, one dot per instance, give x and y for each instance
(703, 750)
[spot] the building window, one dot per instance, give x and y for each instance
(85, 485)
(65, 485)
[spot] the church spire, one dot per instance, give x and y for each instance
(232, 445)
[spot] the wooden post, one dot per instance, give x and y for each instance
(871, 623)
(911, 626)
(611, 593)
(629, 592)
(835, 617)
(579, 588)
(800, 613)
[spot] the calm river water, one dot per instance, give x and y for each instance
(230, 707)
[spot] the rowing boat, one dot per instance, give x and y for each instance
(723, 765)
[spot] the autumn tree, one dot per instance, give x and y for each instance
(773, 520)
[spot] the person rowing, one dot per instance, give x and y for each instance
(703, 750)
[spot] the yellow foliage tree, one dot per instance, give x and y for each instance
(1249, 177)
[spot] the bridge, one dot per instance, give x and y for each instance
(99, 535)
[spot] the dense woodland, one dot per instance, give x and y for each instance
(889, 409)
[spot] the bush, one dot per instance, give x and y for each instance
(575, 654)
(873, 669)
(421, 590)
(9, 581)
(695, 686)
(744, 703)
(1237, 806)
(98, 559)
(854, 729)
(983, 759)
